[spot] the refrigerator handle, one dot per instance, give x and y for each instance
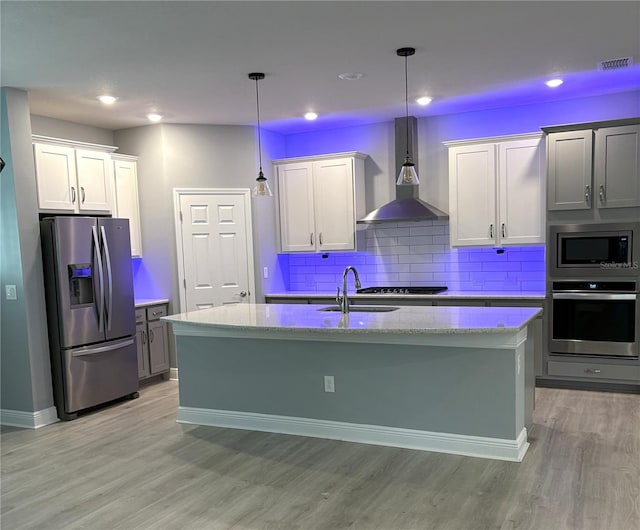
(100, 300)
(101, 349)
(109, 277)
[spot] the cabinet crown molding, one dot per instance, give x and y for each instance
(492, 139)
(350, 154)
(73, 143)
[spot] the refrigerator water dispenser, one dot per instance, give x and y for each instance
(80, 284)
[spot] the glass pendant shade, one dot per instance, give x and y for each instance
(262, 189)
(407, 175)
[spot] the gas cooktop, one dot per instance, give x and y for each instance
(402, 290)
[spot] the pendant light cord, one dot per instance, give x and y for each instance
(406, 102)
(258, 113)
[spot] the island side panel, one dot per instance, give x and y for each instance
(467, 391)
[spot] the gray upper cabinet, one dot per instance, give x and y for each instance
(594, 167)
(617, 167)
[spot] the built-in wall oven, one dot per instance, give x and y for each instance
(593, 285)
(595, 318)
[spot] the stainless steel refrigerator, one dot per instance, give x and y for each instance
(90, 311)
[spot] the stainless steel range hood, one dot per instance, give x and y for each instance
(406, 206)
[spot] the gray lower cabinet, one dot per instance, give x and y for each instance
(152, 341)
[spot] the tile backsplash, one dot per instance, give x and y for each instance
(418, 253)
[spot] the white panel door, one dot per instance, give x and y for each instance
(95, 180)
(215, 250)
(334, 207)
(472, 195)
(521, 191)
(56, 177)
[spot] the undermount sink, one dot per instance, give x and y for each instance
(362, 308)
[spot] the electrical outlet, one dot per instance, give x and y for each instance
(329, 383)
(265, 272)
(11, 293)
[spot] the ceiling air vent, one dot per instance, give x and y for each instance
(614, 64)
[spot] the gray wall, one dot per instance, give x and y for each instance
(377, 140)
(70, 131)
(26, 371)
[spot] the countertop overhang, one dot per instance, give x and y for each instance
(422, 325)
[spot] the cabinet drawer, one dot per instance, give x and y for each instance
(156, 311)
(594, 371)
(140, 315)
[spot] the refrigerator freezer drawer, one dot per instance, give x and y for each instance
(98, 374)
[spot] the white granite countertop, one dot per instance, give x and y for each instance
(145, 302)
(404, 320)
(470, 295)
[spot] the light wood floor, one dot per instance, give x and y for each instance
(132, 466)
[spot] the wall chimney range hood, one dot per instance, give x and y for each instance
(406, 206)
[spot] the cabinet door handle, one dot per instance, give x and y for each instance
(603, 197)
(83, 194)
(587, 193)
(150, 335)
(592, 370)
(144, 337)
(243, 293)
(503, 231)
(491, 230)
(311, 238)
(320, 238)
(73, 195)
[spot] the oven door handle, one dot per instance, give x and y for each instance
(594, 296)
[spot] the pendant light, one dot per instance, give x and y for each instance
(408, 175)
(261, 188)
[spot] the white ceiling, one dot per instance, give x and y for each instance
(189, 60)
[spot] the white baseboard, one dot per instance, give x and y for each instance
(29, 420)
(496, 448)
(173, 374)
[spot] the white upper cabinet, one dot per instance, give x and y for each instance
(594, 167)
(496, 191)
(73, 177)
(127, 204)
(320, 199)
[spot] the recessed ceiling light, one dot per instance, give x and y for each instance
(351, 76)
(107, 100)
(310, 116)
(154, 117)
(424, 100)
(553, 83)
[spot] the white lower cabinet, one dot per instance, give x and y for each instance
(73, 177)
(320, 199)
(127, 204)
(497, 191)
(152, 340)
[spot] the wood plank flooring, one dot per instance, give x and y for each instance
(131, 466)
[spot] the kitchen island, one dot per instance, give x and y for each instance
(448, 379)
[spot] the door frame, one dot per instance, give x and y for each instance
(245, 193)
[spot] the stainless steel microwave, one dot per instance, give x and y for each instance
(594, 250)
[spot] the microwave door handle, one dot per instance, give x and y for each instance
(98, 261)
(109, 277)
(593, 296)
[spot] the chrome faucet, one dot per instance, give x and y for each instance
(343, 301)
